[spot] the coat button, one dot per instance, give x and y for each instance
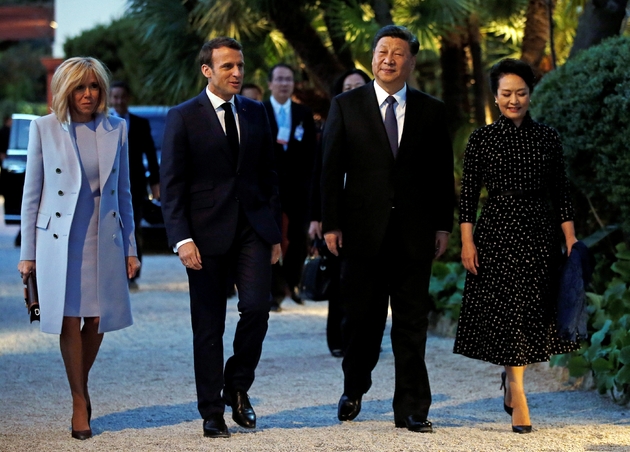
(113, 191)
(57, 214)
(113, 170)
(114, 214)
(58, 171)
(60, 193)
(114, 236)
(55, 236)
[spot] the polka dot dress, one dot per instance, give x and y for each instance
(508, 308)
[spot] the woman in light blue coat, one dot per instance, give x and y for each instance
(77, 223)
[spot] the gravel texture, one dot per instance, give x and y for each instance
(143, 394)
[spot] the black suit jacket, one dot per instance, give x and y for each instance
(141, 142)
(203, 189)
(361, 181)
(295, 165)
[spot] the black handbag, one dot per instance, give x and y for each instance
(316, 280)
(31, 297)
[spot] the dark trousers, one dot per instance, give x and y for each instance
(367, 285)
(295, 236)
(248, 264)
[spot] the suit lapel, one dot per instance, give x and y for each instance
(216, 130)
(107, 141)
(414, 121)
(243, 121)
(372, 110)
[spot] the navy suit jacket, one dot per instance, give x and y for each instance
(295, 165)
(141, 142)
(203, 189)
(362, 182)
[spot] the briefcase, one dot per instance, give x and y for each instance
(316, 280)
(31, 298)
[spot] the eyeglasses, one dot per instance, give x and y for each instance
(282, 80)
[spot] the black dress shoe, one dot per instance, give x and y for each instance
(348, 408)
(522, 428)
(415, 423)
(82, 434)
(506, 408)
(214, 427)
(242, 411)
(337, 352)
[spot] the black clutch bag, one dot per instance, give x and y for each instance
(316, 280)
(31, 298)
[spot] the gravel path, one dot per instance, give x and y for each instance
(143, 394)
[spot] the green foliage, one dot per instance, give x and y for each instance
(606, 354)
(22, 76)
(588, 101)
(446, 287)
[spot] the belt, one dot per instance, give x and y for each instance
(518, 193)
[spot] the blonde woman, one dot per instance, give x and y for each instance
(77, 223)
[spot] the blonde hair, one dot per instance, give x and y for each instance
(68, 76)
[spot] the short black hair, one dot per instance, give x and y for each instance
(273, 68)
(512, 66)
(205, 54)
(120, 84)
(397, 31)
(338, 86)
(251, 86)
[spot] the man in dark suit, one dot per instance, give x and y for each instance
(140, 143)
(293, 131)
(222, 215)
(387, 209)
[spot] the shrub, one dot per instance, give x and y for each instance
(588, 101)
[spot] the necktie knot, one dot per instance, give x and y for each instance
(391, 100)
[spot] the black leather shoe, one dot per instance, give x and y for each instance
(522, 428)
(82, 434)
(214, 427)
(508, 409)
(242, 411)
(415, 423)
(348, 408)
(337, 352)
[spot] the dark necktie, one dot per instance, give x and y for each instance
(391, 125)
(230, 130)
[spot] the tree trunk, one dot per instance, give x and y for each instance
(600, 19)
(479, 75)
(289, 18)
(454, 87)
(382, 12)
(537, 28)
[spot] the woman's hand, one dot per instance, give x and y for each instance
(26, 268)
(133, 265)
(470, 258)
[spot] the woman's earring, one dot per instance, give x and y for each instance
(496, 104)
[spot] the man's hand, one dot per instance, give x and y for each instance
(441, 240)
(334, 241)
(189, 255)
(315, 230)
(133, 265)
(276, 251)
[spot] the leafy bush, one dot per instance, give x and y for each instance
(607, 352)
(588, 101)
(446, 288)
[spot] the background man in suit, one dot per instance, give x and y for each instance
(140, 143)
(387, 204)
(293, 130)
(222, 215)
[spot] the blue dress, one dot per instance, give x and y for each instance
(81, 278)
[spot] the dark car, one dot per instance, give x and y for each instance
(14, 165)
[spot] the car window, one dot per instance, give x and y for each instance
(18, 140)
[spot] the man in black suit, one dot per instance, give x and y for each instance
(222, 215)
(387, 209)
(293, 131)
(140, 143)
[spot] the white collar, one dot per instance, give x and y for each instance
(277, 105)
(216, 101)
(381, 94)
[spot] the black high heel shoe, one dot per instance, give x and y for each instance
(522, 428)
(508, 409)
(80, 434)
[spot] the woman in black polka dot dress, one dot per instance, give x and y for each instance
(507, 315)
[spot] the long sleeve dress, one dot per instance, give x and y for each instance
(508, 308)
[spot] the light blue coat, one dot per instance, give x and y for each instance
(51, 190)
